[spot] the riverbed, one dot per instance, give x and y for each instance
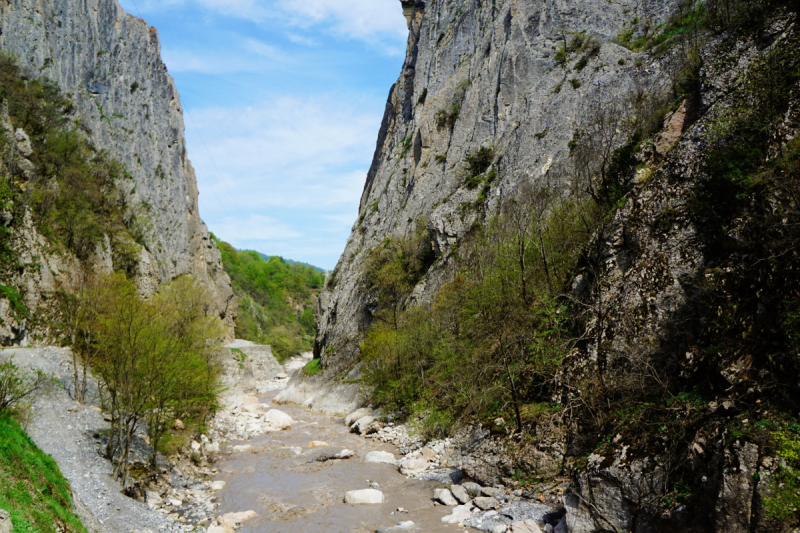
(282, 481)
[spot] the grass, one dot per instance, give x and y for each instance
(312, 368)
(32, 488)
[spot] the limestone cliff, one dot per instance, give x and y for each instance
(482, 74)
(108, 63)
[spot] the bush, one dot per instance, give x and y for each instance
(17, 386)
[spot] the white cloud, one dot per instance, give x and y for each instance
(262, 49)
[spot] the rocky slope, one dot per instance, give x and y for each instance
(481, 74)
(108, 63)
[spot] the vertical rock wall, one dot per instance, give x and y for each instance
(109, 64)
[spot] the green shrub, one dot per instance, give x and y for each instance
(312, 368)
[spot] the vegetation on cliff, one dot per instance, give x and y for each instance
(276, 299)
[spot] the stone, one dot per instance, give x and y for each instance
(367, 496)
(217, 485)
(243, 448)
(239, 517)
(427, 454)
(278, 419)
(360, 426)
(402, 526)
(379, 457)
(317, 444)
(221, 529)
(458, 514)
(413, 466)
(345, 454)
(5, 522)
(256, 408)
(500, 528)
(460, 493)
(472, 488)
(212, 447)
(355, 415)
(153, 499)
(527, 526)
(282, 375)
(486, 503)
(492, 492)
(178, 424)
(195, 446)
(444, 496)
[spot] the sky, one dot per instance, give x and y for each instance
(282, 102)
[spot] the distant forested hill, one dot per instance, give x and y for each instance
(276, 299)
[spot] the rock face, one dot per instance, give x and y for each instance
(477, 74)
(108, 63)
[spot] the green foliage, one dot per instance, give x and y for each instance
(32, 488)
(17, 305)
(276, 299)
(312, 368)
(446, 118)
(495, 336)
(784, 504)
(74, 194)
(16, 385)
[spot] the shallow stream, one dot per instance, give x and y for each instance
(292, 492)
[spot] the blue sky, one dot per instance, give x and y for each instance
(283, 101)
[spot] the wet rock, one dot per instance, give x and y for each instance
(368, 496)
(355, 415)
(278, 419)
(345, 454)
(402, 526)
(218, 485)
(243, 448)
(317, 444)
(460, 493)
(5, 522)
(444, 496)
(239, 517)
(486, 503)
(361, 425)
(379, 457)
(445, 476)
(458, 515)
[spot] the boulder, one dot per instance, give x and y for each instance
(458, 515)
(360, 426)
(486, 503)
(355, 415)
(460, 493)
(413, 466)
(528, 526)
(500, 528)
(153, 499)
(444, 496)
(278, 419)
(472, 488)
(492, 492)
(218, 485)
(345, 454)
(426, 454)
(371, 496)
(379, 457)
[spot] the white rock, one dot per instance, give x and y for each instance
(460, 493)
(282, 375)
(444, 496)
(175, 503)
(345, 453)
(317, 444)
(379, 457)
(239, 517)
(154, 499)
(402, 526)
(459, 514)
(363, 496)
(218, 485)
(195, 445)
(278, 419)
(361, 425)
(355, 415)
(500, 528)
(413, 466)
(528, 526)
(242, 448)
(212, 447)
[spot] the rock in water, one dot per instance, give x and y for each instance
(216, 485)
(402, 526)
(371, 496)
(361, 425)
(379, 457)
(243, 448)
(444, 496)
(458, 515)
(486, 503)
(5, 522)
(278, 419)
(317, 444)
(355, 415)
(413, 466)
(460, 493)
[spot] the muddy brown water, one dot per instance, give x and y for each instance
(296, 494)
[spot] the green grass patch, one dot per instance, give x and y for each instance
(32, 488)
(312, 368)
